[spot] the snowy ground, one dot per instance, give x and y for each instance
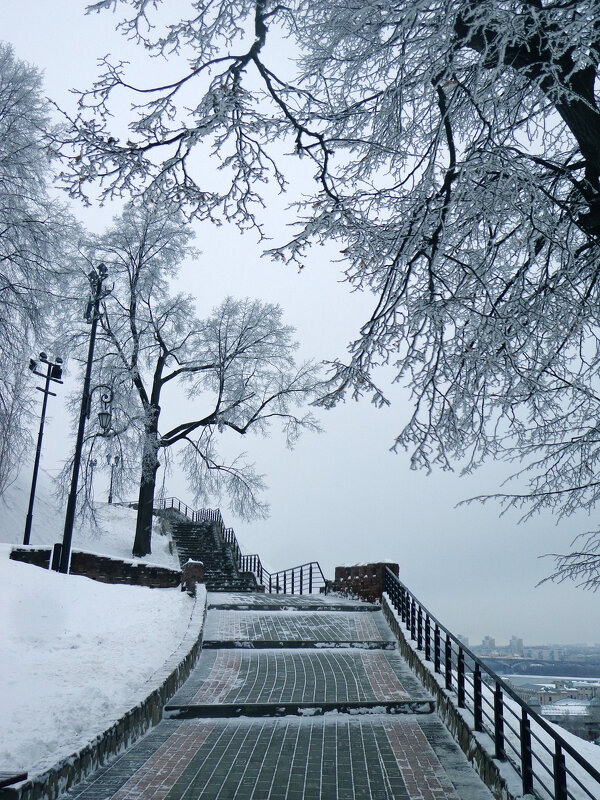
(74, 653)
(112, 536)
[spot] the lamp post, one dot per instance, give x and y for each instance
(53, 373)
(92, 315)
(112, 463)
(93, 465)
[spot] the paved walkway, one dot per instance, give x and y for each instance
(293, 699)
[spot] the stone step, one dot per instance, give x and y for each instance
(231, 710)
(202, 542)
(293, 644)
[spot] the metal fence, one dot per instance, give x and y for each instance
(304, 579)
(549, 767)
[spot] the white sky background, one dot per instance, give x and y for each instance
(340, 497)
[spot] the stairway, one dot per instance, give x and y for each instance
(201, 541)
(308, 700)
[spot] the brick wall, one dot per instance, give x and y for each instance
(104, 568)
(38, 556)
(365, 580)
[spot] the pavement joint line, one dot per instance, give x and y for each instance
(424, 705)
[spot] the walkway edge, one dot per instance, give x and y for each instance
(499, 777)
(129, 728)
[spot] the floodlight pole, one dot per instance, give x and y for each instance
(53, 373)
(92, 315)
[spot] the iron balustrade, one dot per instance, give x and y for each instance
(175, 503)
(304, 579)
(549, 767)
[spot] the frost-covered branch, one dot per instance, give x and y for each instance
(455, 149)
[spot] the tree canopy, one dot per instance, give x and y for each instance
(237, 368)
(454, 146)
(36, 237)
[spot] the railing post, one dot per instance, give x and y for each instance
(437, 647)
(413, 619)
(310, 578)
(293, 581)
(301, 581)
(526, 760)
(420, 628)
(403, 605)
(270, 585)
(560, 774)
(499, 723)
(284, 582)
(460, 689)
(477, 699)
(448, 662)
(427, 638)
(393, 590)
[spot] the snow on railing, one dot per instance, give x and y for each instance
(550, 768)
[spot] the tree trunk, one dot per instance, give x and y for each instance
(142, 544)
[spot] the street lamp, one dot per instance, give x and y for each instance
(54, 374)
(92, 315)
(112, 462)
(104, 415)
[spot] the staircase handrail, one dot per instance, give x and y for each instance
(450, 657)
(301, 579)
(175, 503)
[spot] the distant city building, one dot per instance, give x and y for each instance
(578, 717)
(488, 645)
(463, 639)
(572, 704)
(515, 646)
(552, 690)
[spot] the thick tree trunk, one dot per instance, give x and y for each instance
(142, 544)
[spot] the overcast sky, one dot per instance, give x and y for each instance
(340, 497)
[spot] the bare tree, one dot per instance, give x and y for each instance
(237, 367)
(33, 245)
(454, 146)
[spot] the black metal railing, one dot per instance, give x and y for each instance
(304, 579)
(549, 767)
(175, 503)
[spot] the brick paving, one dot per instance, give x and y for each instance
(296, 626)
(270, 676)
(346, 756)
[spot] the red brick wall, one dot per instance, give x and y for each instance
(38, 556)
(104, 568)
(365, 581)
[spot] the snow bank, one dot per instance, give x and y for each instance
(113, 536)
(75, 654)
